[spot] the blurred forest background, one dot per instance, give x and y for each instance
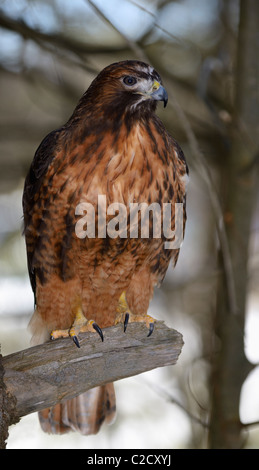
(207, 53)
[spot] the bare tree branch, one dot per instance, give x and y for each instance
(164, 393)
(47, 374)
(7, 409)
(55, 39)
(155, 24)
(231, 366)
(203, 170)
(250, 425)
(131, 44)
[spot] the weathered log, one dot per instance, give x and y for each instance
(47, 374)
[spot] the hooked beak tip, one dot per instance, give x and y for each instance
(160, 94)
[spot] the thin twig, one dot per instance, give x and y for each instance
(131, 44)
(162, 392)
(249, 425)
(79, 48)
(184, 43)
(203, 170)
(155, 24)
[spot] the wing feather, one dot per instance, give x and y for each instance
(44, 155)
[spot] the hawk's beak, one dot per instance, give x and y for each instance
(159, 93)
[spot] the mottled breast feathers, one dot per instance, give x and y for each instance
(107, 147)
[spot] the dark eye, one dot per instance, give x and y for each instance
(129, 80)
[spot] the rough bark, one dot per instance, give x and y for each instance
(44, 375)
(8, 413)
(231, 366)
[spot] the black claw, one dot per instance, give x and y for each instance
(151, 329)
(126, 321)
(76, 341)
(98, 329)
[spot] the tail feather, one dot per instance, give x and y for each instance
(84, 413)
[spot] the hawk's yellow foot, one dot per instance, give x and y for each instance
(125, 315)
(80, 325)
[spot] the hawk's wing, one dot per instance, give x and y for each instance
(42, 159)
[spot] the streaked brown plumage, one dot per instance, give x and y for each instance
(113, 145)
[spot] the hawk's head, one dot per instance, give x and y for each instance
(127, 86)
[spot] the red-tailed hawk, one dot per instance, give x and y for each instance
(113, 153)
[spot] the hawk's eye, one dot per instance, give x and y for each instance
(128, 80)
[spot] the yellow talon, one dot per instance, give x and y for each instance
(123, 304)
(80, 324)
(125, 315)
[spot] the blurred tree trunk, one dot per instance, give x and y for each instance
(231, 366)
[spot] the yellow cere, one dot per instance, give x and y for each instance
(156, 85)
